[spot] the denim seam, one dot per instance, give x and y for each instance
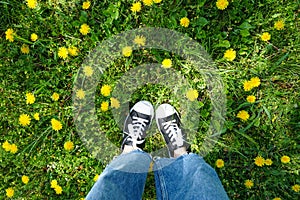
(162, 182)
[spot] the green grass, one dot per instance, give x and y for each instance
(271, 131)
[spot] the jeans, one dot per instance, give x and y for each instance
(186, 177)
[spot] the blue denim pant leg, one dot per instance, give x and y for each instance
(187, 177)
(123, 178)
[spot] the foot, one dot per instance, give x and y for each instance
(135, 126)
(169, 125)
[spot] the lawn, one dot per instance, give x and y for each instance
(71, 69)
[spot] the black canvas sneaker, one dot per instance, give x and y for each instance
(136, 124)
(169, 125)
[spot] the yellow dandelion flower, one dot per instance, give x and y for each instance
(184, 22)
(30, 99)
(249, 183)
(222, 4)
(25, 179)
(230, 54)
(25, 49)
(9, 35)
(34, 37)
(73, 51)
(80, 94)
(62, 52)
(265, 36)
(136, 7)
(220, 163)
(58, 189)
(10, 192)
(6, 146)
(167, 63)
(251, 98)
(96, 177)
(148, 2)
(296, 188)
(157, 1)
(53, 183)
(259, 161)
(268, 162)
(243, 115)
(277, 198)
(279, 25)
(140, 40)
(192, 94)
(36, 116)
(88, 71)
(114, 102)
(127, 51)
(86, 5)
(104, 106)
(31, 4)
(105, 90)
(285, 159)
(84, 29)
(13, 148)
(255, 81)
(56, 125)
(24, 120)
(248, 86)
(69, 146)
(55, 96)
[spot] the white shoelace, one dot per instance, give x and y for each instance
(136, 129)
(174, 133)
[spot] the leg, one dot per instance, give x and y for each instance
(187, 177)
(183, 176)
(124, 178)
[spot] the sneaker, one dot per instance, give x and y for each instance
(169, 125)
(136, 124)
